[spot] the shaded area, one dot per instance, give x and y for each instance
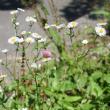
(78, 8)
(14, 4)
(10, 4)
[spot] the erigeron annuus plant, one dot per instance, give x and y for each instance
(22, 41)
(65, 72)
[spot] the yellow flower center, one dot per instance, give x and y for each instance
(101, 30)
(74, 24)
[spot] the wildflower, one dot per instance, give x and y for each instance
(60, 26)
(100, 31)
(102, 24)
(47, 26)
(46, 59)
(72, 24)
(20, 40)
(46, 54)
(24, 109)
(17, 23)
(20, 9)
(35, 66)
(36, 35)
(85, 41)
(12, 40)
(4, 51)
(30, 19)
(2, 76)
(29, 40)
(42, 40)
(14, 12)
(23, 32)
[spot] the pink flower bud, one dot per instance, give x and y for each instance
(46, 54)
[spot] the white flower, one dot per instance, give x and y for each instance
(23, 32)
(29, 40)
(30, 19)
(42, 40)
(17, 23)
(102, 24)
(3, 76)
(20, 40)
(85, 41)
(46, 59)
(72, 24)
(100, 31)
(35, 66)
(5, 51)
(14, 12)
(20, 9)
(47, 26)
(24, 109)
(12, 40)
(60, 26)
(36, 35)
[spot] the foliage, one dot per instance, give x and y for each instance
(65, 73)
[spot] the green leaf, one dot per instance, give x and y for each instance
(66, 105)
(72, 98)
(66, 85)
(86, 106)
(107, 78)
(50, 93)
(96, 75)
(94, 89)
(81, 81)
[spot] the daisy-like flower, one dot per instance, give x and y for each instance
(3, 76)
(100, 31)
(17, 23)
(20, 40)
(30, 19)
(14, 12)
(35, 66)
(72, 24)
(36, 35)
(12, 40)
(23, 32)
(20, 9)
(60, 26)
(4, 51)
(46, 60)
(102, 24)
(24, 109)
(85, 41)
(29, 40)
(46, 54)
(42, 40)
(47, 26)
